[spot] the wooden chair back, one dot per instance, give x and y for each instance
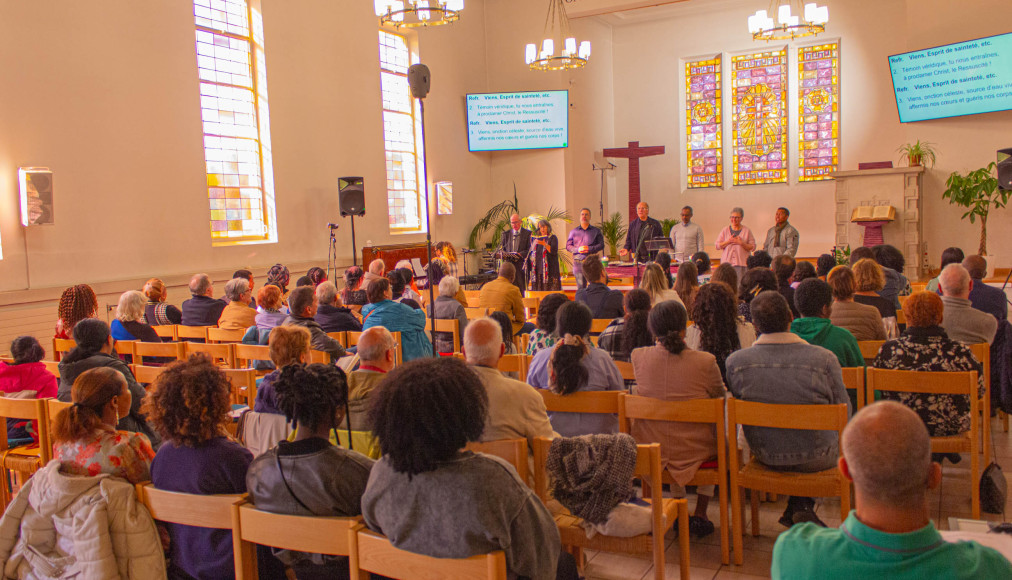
(313, 534)
(603, 402)
(245, 354)
(166, 331)
(531, 305)
(399, 354)
(900, 317)
(853, 379)
(176, 350)
(219, 335)
(62, 345)
(53, 408)
(124, 348)
(598, 325)
(476, 312)
(28, 409)
(626, 369)
(512, 450)
(53, 367)
(473, 302)
(515, 363)
(221, 354)
(146, 374)
(244, 385)
(982, 352)
(188, 509)
(446, 325)
(341, 337)
(869, 349)
(319, 356)
(192, 332)
(377, 555)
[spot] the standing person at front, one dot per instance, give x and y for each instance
(781, 368)
(516, 240)
(736, 242)
(545, 260)
(642, 229)
(782, 238)
(583, 240)
(687, 237)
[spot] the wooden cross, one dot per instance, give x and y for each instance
(633, 153)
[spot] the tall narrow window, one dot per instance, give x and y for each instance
(819, 109)
(703, 122)
(233, 102)
(401, 135)
(759, 119)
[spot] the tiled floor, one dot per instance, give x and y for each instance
(704, 555)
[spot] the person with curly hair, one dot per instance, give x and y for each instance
(717, 328)
(27, 375)
(687, 284)
(188, 405)
(803, 271)
(824, 264)
(286, 479)
(87, 442)
(430, 496)
(544, 335)
(752, 283)
(76, 304)
(702, 262)
(760, 259)
(669, 370)
(624, 334)
(156, 311)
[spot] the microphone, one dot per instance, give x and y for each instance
(418, 80)
(333, 226)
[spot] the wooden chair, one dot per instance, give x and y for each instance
(26, 459)
(853, 379)
(476, 312)
(167, 331)
(531, 306)
(319, 356)
(598, 325)
(757, 477)
(192, 332)
(940, 383)
(341, 337)
(53, 408)
(219, 335)
(146, 374)
(982, 352)
(540, 294)
(126, 348)
(648, 469)
(441, 325)
(473, 302)
(376, 554)
(869, 349)
(176, 350)
(220, 354)
(900, 317)
(694, 411)
(515, 363)
(62, 345)
(512, 450)
(53, 367)
(244, 385)
(603, 402)
(202, 511)
(245, 354)
(314, 534)
(626, 369)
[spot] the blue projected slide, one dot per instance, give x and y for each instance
(965, 78)
(508, 121)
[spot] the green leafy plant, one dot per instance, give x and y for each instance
(918, 153)
(842, 255)
(667, 224)
(497, 219)
(977, 191)
(612, 230)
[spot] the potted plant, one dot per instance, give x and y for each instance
(497, 219)
(918, 153)
(977, 191)
(612, 231)
(841, 255)
(667, 224)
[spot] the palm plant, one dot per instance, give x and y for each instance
(497, 219)
(612, 231)
(667, 224)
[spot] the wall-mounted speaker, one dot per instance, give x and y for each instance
(36, 185)
(351, 196)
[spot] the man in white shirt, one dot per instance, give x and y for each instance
(686, 236)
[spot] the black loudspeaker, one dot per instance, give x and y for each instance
(36, 185)
(1005, 168)
(351, 194)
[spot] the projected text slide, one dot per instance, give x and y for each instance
(504, 121)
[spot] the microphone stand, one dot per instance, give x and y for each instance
(602, 170)
(636, 257)
(527, 274)
(332, 251)
(428, 220)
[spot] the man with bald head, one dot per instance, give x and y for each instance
(641, 230)
(983, 297)
(376, 348)
(377, 269)
(203, 309)
(515, 245)
(960, 319)
(515, 410)
(887, 455)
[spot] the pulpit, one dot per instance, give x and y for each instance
(898, 187)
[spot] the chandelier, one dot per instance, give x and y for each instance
(415, 13)
(792, 22)
(557, 31)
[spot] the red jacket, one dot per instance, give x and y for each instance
(26, 377)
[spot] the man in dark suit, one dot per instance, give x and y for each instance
(602, 301)
(641, 230)
(516, 241)
(202, 309)
(983, 297)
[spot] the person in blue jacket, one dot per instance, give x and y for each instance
(396, 317)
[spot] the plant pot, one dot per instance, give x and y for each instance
(914, 159)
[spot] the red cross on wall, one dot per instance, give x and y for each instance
(633, 153)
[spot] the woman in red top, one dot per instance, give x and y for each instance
(29, 376)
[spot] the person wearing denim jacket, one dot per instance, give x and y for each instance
(781, 368)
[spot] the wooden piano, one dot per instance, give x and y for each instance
(393, 253)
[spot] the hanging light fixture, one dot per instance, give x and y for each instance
(415, 13)
(570, 55)
(792, 20)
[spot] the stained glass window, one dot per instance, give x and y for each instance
(703, 123)
(401, 133)
(759, 117)
(819, 110)
(233, 102)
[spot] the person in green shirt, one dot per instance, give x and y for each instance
(887, 455)
(814, 299)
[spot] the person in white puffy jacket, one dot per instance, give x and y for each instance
(62, 526)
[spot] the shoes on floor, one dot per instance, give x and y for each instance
(803, 516)
(699, 527)
(953, 458)
(786, 520)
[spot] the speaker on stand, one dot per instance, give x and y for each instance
(351, 198)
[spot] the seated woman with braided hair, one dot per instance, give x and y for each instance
(76, 304)
(573, 365)
(289, 479)
(87, 442)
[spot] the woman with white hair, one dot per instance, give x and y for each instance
(130, 323)
(238, 315)
(736, 242)
(447, 308)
